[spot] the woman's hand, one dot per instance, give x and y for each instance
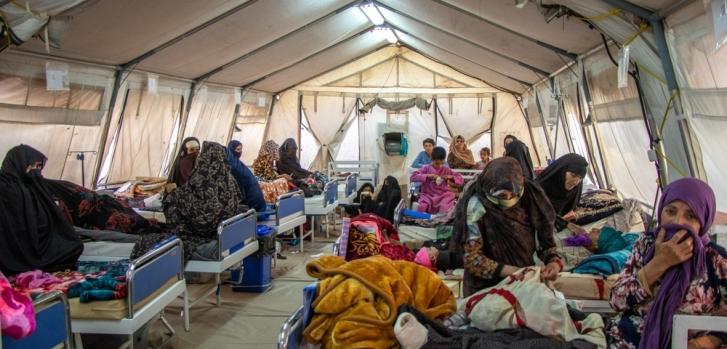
(550, 271)
(673, 252)
(570, 216)
(432, 176)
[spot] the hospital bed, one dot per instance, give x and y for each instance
(291, 333)
(236, 239)
(347, 189)
(408, 232)
(289, 214)
(468, 175)
(53, 326)
(321, 205)
(367, 171)
(154, 280)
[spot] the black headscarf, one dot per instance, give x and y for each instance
(509, 235)
(232, 146)
(34, 234)
(388, 197)
(289, 163)
(183, 164)
(552, 180)
(518, 150)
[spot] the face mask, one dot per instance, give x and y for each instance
(34, 174)
(237, 154)
(505, 203)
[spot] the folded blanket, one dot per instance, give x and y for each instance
(614, 248)
(17, 316)
(357, 302)
(596, 205)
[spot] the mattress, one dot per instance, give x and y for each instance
(107, 249)
(116, 309)
(414, 232)
(582, 286)
(159, 216)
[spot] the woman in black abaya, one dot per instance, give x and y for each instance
(34, 234)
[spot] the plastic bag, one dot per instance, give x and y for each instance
(623, 66)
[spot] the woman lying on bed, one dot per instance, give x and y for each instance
(562, 182)
(34, 234)
(195, 209)
(674, 269)
(496, 224)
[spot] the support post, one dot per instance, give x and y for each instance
(107, 125)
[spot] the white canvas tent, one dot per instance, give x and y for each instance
(260, 69)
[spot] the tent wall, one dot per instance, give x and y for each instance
(702, 73)
(58, 123)
(510, 120)
(251, 122)
(211, 114)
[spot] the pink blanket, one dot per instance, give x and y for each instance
(16, 311)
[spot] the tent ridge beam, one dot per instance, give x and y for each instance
(377, 48)
(434, 72)
(546, 45)
(509, 58)
(318, 52)
(271, 43)
(186, 34)
(525, 83)
(362, 70)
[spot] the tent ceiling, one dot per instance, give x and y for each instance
(275, 44)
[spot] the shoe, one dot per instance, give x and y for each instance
(280, 256)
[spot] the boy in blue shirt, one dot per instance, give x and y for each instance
(425, 156)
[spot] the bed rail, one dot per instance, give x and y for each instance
(151, 271)
(351, 183)
(293, 325)
(53, 324)
(368, 171)
(289, 206)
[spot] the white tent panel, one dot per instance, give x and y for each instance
(414, 75)
(569, 33)
(285, 120)
(466, 66)
(211, 115)
(443, 71)
(295, 47)
(236, 35)
(307, 69)
(327, 116)
(384, 74)
(478, 31)
(350, 69)
(509, 120)
(468, 117)
(117, 31)
(488, 58)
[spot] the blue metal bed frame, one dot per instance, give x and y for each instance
(291, 333)
(146, 275)
(289, 214)
(324, 207)
(368, 171)
(349, 189)
(53, 326)
(237, 239)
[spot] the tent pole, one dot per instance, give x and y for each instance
(545, 125)
(668, 66)
(492, 125)
(267, 120)
(524, 112)
(300, 121)
(436, 121)
(586, 89)
(107, 125)
(587, 139)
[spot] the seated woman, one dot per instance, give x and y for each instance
(195, 209)
(249, 187)
(562, 182)
(265, 166)
(34, 234)
(484, 158)
(425, 156)
(516, 149)
(363, 202)
(674, 269)
(184, 163)
(435, 195)
(289, 163)
(460, 156)
(502, 220)
(387, 199)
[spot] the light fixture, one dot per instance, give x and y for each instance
(372, 12)
(520, 3)
(387, 33)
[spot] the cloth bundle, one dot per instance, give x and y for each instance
(522, 300)
(271, 190)
(357, 302)
(17, 315)
(596, 205)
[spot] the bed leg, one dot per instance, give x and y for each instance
(78, 342)
(328, 224)
(301, 232)
(218, 292)
(185, 313)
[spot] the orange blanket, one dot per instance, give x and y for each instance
(356, 303)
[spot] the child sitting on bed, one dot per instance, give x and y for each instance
(435, 178)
